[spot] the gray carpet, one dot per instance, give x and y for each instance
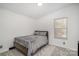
(46, 51)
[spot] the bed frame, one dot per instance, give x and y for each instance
(24, 50)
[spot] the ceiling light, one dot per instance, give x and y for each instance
(40, 4)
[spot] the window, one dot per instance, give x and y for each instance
(60, 28)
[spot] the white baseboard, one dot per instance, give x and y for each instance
(3, 50)
(64, 47)
(73, 49)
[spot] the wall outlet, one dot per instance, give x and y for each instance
(64, 43)
(0, 46)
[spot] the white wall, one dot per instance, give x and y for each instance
(46, 23)
(13, 25)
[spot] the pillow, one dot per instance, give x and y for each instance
(42, 33)
(36, 33)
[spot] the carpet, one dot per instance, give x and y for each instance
(49, 50)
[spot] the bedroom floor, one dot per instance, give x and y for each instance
(46, 51)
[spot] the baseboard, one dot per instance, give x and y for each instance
(4, 50)
(65, 47)
(73, 49)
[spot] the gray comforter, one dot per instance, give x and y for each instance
(32, 42)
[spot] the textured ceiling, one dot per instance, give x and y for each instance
(32, 9)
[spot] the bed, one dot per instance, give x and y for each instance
(31, 44)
